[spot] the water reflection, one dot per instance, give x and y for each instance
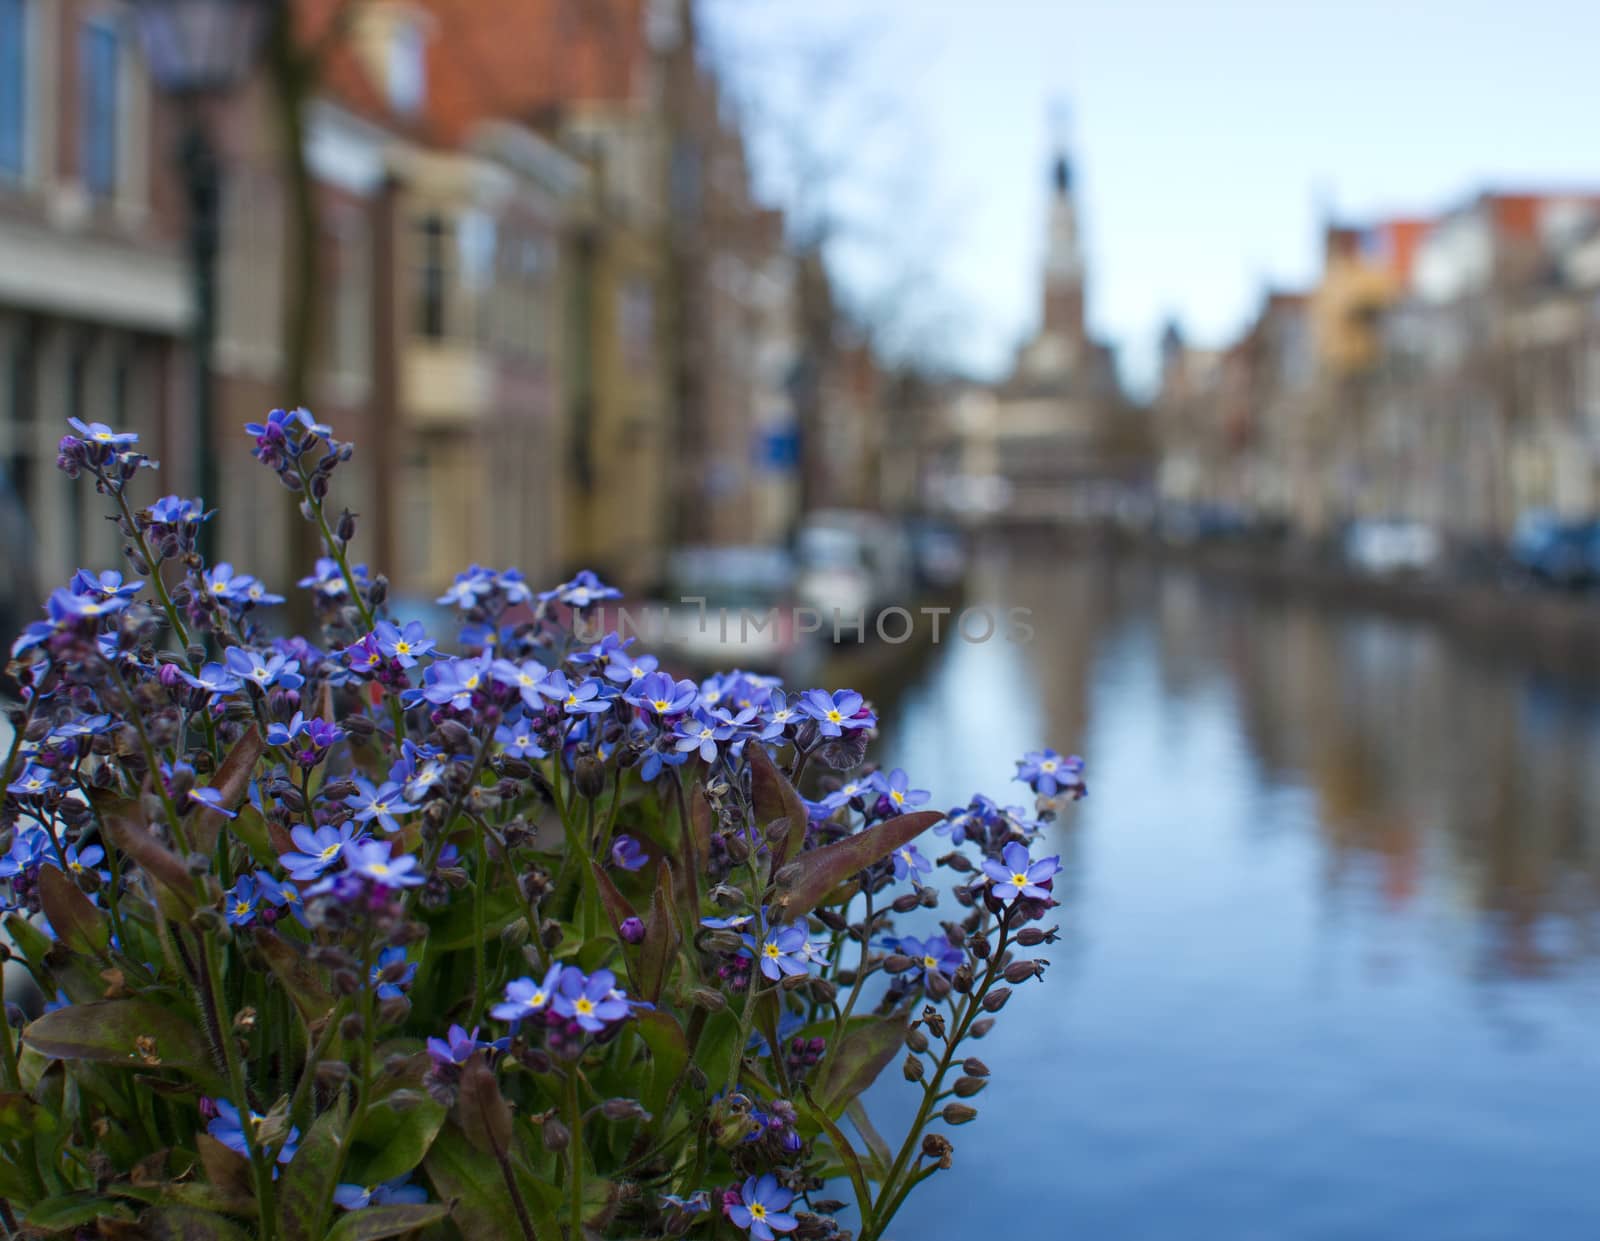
(1331, 966)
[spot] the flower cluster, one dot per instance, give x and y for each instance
(491, 926)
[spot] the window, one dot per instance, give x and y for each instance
(636, 324)
(433, 278)
(98, 56)
(13, 89)
(407, 68)
(351, 344)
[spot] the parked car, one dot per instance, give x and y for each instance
(1392, 546)
(1559, 553)
(747, 619)
(855, 563)
(939, 555)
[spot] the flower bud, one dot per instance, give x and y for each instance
(958, 1113)
(332, 1073)
(794, 982)
(556, 1135)
(350, 1028)
(973, 1067)
(706, 998)
(823, 990)
(913, 1069)
(905, 902)
(896, 963)
(831, 918)
(1032, 936)
(1021, 971)
(966, 1087)
(345, 529)
(981, 1026)
(956, 861)
(738, 847)
(936, 985)
(916, 1039)
(963, 978)
(623, 1109)
(589, 775)
(937, 1147)
(996, 999)
(979, 944)
(632, 930)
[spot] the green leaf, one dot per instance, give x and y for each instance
(661, 939)
(164, 866)
(306, 1187)
(107, 1031)
(847, 1153)
(29, 940)
(232, 781)
(299, 977)
(473, 1184)
(373, 1223)
(803, 882)
(251, 828)
(616, 905)
(454, 928)
(481, 1110)
(772, 798)
(189, 1224)
(19, 1115)
(71, 1211)
(669, 1054)
(394, 1137)
(227, 1171)
(80, 926)
(852, 1066)
(882, 1160)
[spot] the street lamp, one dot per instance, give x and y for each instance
(200, 50)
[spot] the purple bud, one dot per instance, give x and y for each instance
(632, 931)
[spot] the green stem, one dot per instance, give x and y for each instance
(575, 1157)
(479, 948)
(260, 1160)
(861, 972)
(891, 1194)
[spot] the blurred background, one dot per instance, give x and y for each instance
(1254, 349)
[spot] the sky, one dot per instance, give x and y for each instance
(1208, 139)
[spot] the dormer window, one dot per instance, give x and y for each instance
(407, 68)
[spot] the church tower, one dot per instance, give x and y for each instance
(1063, 270)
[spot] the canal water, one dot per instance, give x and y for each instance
(1330, 966)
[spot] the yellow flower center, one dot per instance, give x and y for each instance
(379, 868)
(402, 648)
(472, 681)
(928, 963)
(583, 1006)
(1020, 880)
(660, 704)
(75, 866)
(1048, 765)
(636, 670)
(328, 853)
(772, 951)
(897, 797)
(757, 1211)
(241, 908)
(103, 436)
(834, 717)
(572, 700)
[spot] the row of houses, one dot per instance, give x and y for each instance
(546, 302)
(1443, 369)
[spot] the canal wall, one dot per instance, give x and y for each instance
(1556, 631)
